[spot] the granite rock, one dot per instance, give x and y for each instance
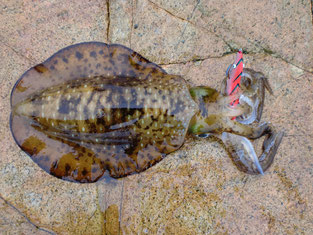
(196, 190)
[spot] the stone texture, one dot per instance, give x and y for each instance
(37, 29)
(196, 190)
(13, 222)
(168, 39)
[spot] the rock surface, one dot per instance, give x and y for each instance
(196, 190)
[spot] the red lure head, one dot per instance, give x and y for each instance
(233, 73)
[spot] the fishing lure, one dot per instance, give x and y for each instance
(234, 72)
(94, 109)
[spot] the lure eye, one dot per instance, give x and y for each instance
(230, 68)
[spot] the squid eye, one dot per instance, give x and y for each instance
(204, 135)
(246, 82)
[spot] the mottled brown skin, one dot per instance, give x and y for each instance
(94, 109)
(121, 114)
